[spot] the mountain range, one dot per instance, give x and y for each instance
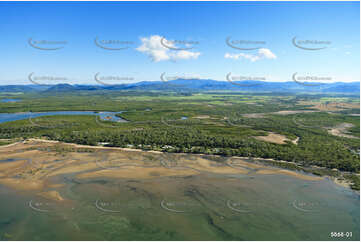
(197, 85)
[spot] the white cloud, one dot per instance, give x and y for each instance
(157, 52)
(241, 55)
(262, 53)
(266, 53)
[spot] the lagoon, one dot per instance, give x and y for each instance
(9, 100)
(8, 117)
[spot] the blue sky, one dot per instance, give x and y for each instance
(203, 27)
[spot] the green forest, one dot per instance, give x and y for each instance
(208, 123)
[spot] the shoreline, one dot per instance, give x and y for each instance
(340, 182)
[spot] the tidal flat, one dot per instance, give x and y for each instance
(58, 191)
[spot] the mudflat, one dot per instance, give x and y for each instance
(38, 161)
(99, 193)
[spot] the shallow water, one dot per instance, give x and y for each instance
(9, 160)
(198, 207)
(7, 117)
(9, 100)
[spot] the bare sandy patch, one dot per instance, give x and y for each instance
(12, 152)
(138, 173)
(202, 116)
(330, 106)
(155, 152)
(211, 166)
(254, 115)
(55, 185)
(341, 182)
(272, 138)
(283, 112)
(290, 173)
(288, 112)
(22, 184)
(74, 168)
(52, 195)
(295, 141)
(341, 129)
(6, 166)
(238, 161)
(10, 145)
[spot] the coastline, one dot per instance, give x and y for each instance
(261, 161)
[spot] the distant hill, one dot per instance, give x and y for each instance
(16, 88)
(71, 88)
(197, 85)
(61, 88)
